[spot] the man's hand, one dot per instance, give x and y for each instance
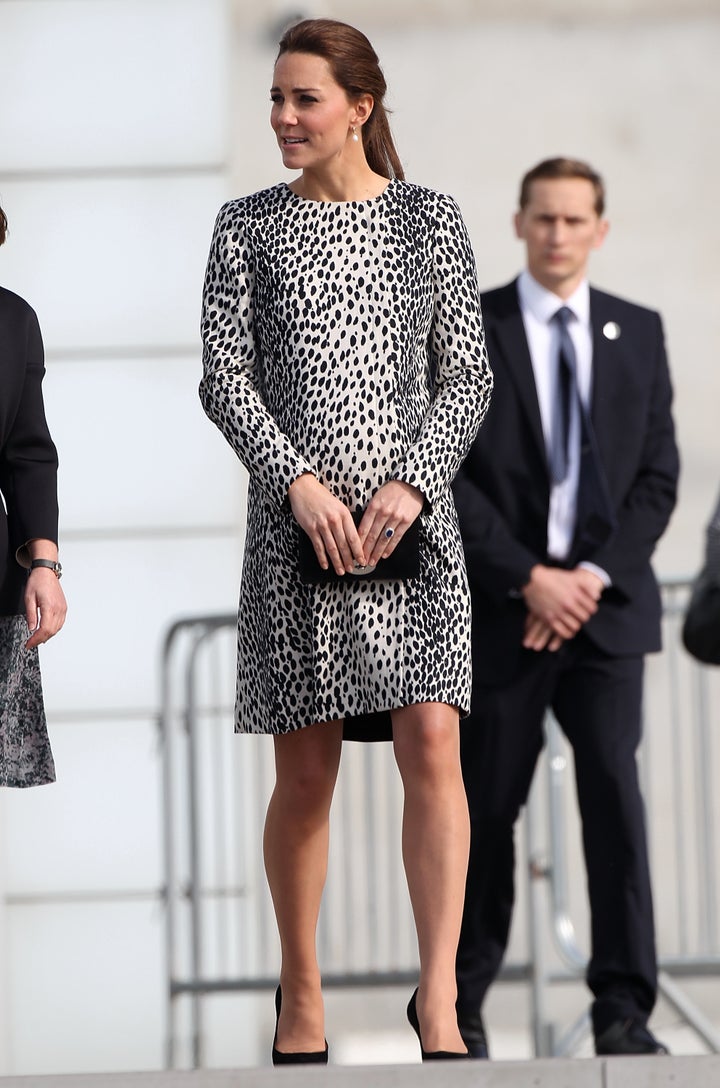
(539, 635)
(559, 602)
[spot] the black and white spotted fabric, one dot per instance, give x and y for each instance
(345, 339)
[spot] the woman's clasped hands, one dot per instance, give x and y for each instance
(329, 524)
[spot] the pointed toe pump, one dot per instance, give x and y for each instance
(308, 1057)
(429, 1055)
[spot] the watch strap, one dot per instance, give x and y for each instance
(51, 564)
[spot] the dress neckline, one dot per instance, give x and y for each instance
(341, 203)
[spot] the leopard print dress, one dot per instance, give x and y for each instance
(345, 339)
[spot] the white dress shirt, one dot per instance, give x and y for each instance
(538, 306)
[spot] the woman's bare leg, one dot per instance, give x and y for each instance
(296, 852)
(436, 841)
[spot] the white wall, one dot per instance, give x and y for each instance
(123, 126)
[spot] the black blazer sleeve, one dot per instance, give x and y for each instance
(645, 501)
(501, 490)
(28, 458)
(497, 561)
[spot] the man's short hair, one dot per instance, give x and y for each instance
(563, 168)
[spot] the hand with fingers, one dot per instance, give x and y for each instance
(559, 603)
(45, 606)
(392, 509)
(328, 523)
(539, 635)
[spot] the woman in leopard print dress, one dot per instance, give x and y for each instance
(344, 361)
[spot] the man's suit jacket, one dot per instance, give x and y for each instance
(502, 490)
(28, 459)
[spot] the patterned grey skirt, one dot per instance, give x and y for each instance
(25, 755)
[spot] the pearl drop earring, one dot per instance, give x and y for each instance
(354, 134)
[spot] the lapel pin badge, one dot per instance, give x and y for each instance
(611, 330)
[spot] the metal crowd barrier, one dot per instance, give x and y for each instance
(220, 934)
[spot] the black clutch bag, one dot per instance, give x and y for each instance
(404, 562)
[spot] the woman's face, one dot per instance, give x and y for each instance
(311, 114)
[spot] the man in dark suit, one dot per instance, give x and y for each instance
(562, 500)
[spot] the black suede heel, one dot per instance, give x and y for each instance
(309, 1057)
(429, 1055)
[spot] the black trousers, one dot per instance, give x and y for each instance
(597, 701)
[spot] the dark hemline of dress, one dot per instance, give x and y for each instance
(368, 727)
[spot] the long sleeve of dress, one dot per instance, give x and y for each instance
(231, 387)
(462, 377)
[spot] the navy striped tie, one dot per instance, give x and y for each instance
(595, 515)
(566, 396)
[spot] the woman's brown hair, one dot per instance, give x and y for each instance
(355, 68)
(3, 226)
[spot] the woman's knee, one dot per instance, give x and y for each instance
(426, 739)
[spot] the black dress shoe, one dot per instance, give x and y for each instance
(473, 1034)
(628, 1037)
(307, 1057)
(429, 1055)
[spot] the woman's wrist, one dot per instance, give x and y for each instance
(42, 549)
(36, 548)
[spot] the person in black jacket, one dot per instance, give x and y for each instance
(562, 499)
(32, 603)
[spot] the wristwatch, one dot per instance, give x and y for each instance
(56, 568)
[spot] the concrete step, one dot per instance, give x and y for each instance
(655, 1072)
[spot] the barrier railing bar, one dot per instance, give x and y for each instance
(196, 956)
(330, 980)
(679, 802)
(706, 834)
(173, 635)
(689, 1011)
